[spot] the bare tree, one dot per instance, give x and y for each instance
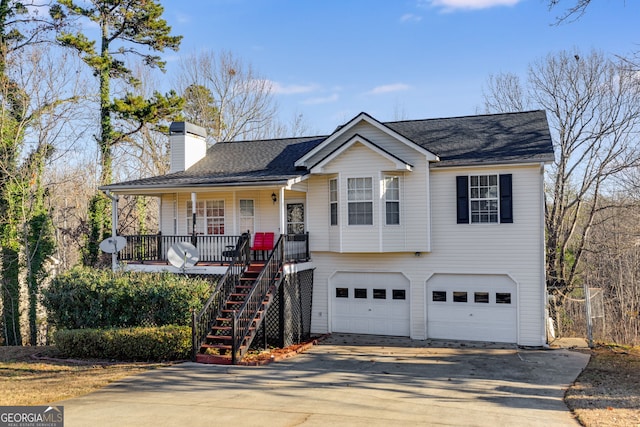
(613, 260)
(43, 102)
(572, 12)
(223, 85)
(593, 106)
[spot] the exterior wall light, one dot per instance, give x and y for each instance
(274, 198)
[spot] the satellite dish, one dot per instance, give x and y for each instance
(112, 245)
(182, 255)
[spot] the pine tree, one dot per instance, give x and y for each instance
(127, 28)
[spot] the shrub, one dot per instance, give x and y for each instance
(91, 298)
(151, 344)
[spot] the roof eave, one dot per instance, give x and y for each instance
(159, 188)
(488, 163)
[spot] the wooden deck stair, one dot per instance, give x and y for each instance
(217, 346)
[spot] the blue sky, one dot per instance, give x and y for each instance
(329, 60)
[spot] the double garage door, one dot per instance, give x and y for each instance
(472, 307)
(370, 303)
(458, 307)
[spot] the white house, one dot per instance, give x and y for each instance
(422, 228)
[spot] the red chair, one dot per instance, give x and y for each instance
(263, 242)
(258, 242)
(268, 241)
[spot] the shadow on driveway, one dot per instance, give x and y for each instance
(349, 380)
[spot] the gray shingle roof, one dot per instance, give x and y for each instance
(485, 139)
(470, 140)
(240, 162)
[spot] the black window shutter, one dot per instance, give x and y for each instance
(462, 193)
(506, 199)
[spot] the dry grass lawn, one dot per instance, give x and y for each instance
(607, 392)
(28, 380)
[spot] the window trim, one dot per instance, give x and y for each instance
(387, 200)
(334, 213)
(202, 221)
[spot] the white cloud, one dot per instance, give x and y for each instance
(410, 17)
(394, 87)
(451, 5)
(321, 100)
(280, 89)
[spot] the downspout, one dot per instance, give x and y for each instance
(114, 226)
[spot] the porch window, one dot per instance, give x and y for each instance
(209, 216)
(360, 201)
(333, 201)
(247, 215)
(392, 199)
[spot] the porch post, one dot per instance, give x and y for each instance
(114, 227)
(193, 221)
(283, 212)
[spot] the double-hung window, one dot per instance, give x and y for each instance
(483, 196)
(333, 201)
(484, 199)
(392, 199)
(209, 216)
(360, 201)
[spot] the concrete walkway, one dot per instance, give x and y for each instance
(349, 380)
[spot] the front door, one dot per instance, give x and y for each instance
(295, 218)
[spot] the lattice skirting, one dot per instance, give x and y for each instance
(288, 320)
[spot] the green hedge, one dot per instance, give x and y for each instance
(92, 298)
(126, 344)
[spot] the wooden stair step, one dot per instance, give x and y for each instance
(213, 359)
(216, 346)
(219, 337)
(227, 347)
(226, 328)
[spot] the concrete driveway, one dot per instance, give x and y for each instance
(349, 380)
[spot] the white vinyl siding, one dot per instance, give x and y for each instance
(412, 235)
(517, 250)
(515, 253)
(266, 212)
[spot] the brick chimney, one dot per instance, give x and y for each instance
(187, 145)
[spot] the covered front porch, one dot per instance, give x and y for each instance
(213, 220)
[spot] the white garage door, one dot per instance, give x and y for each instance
(476, 308)
(370, 303)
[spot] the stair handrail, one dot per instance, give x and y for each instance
(243, 318)
(202, 321)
